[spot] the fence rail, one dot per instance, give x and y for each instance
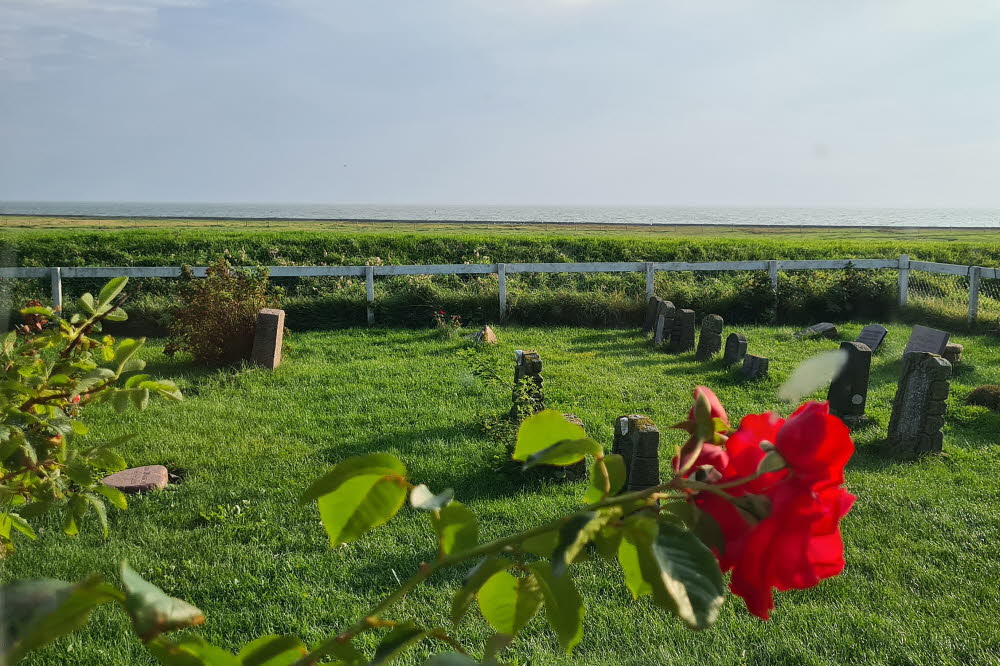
(903, 264)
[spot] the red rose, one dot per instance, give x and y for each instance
(815, 444)
(717, 412)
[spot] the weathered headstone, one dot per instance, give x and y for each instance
(710, 340)
(755, 367)
(528, 395)
(651, 309)
(485, 335)
(953, 352)
(138, 479)
(661, 329)
(849, 389)
(682, 332)
(638, 441)
(825, 329)
(267, 338)
(924, 339)
(919, 406)
(872, 336)
(736, 349)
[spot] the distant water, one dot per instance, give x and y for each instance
(633, 215)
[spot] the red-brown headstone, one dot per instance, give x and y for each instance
(267, 338)
(138, 479)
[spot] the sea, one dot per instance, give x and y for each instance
(546, 214)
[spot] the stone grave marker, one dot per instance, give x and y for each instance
(872, 336)
(849, 389)
(682, 332)
(953, 352)
(577, 470)
(736, 349)
(924, 339)
(755, 367)
(825, 329)
(528, 394)
(651, 309)
(638, 441)
(919, 406)
(485, 335)
(710, 340)
(660, 329)
(267, 338)
(138, 479)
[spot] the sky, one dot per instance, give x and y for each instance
(585, 102)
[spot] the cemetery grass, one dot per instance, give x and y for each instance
(922, 564)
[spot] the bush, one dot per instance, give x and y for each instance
(217, 316)
(985, 396)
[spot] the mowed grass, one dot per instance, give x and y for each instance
(921, 542)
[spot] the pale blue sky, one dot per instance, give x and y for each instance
(698, 102)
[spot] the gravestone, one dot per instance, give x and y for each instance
(849, 389)
(577, 470)
(638, 441)
(660, 329)
(267, 338)
(924, 339)
(485, 335)
(736, 349)
(682, 332)
(138, 479)
(755, 367)
(953, 352)
(710, 340)
(872, 336)
(825, 329)
(651, 309)
(528, 394)
(919, 406)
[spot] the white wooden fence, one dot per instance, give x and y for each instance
(369, 273)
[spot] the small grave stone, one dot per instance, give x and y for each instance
(267, 338)
(824, 329)
(849, 389)
(138, 479)
(652, 308)
(638, 441)
(528, 395)
(924, 339)
(660, 329)
(755, 367)
(953, 352)
(919, 406)
(485, 335)
(682, 332)
(736, 349)
(872, 336)
(710, 340)
(665, 313)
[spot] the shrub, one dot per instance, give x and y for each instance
(217, 315)
(985, 396)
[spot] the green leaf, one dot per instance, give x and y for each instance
(680, 570)
(509, 603)
(120, 400)
(563, 606)
(565, 452)
(106, 458)
(79, 471)
(116, 315)
(86, 303)
(100, 510)
(373, 463)
(140, 398)
(615, 465)
(360, 504)
(20, 524)
(541, 544)
(575, 534)
(126, 349)
(628, 558)
(457, 528)
(190, 651)
(423, 499)
(135, 380)
(396, 641)
(111, 289)
(478, 575)
(542, 430)
(153, 612)
(607, 541)
(115, 496)
(74, 512)
(272, 650)
(36, 612)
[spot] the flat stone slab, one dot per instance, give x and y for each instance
(138, 479)
(872, 336)
(824, 329)
(925, 339)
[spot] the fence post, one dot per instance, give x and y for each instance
(974, 276)
(904, 279)
(370, 292)
(56, 275)
(502, 287)
(772, 270)
(650, 281)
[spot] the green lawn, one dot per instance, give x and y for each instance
(921, 543)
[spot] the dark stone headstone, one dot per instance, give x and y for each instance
(710, 340)
(638, 441)
(924, 339)
(267, 338)
(849, 389)
(953, 352)
(665, 312)
(755, 367)
(736, 349)
(660, 329)
(138, 479)
(682, 332)
(872, 336)
(528, 395)
(919, 406)
(651, 308)
(825, 329)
